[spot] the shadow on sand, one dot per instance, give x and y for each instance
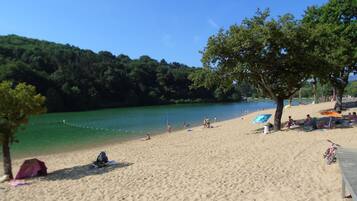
(78, 172)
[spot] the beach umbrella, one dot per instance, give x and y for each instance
(262, 118)
(331, 114)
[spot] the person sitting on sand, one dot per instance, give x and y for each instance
(310, 123)
(291, 122)
(307, 120)
(349, 116)
(102, 160)
(354, 117)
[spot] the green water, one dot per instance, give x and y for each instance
(66, 131)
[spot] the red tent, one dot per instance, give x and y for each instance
(31, 168)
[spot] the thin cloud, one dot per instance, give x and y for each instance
(212, 23)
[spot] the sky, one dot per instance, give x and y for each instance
(174, 30)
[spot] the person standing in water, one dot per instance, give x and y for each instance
(169, 128)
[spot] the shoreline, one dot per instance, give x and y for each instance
(120, 139)
(116, 141)
(232, 161)
(25, 151)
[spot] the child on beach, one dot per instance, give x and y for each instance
(291, 122)
(206, 123)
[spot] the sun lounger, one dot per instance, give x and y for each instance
(347, 158)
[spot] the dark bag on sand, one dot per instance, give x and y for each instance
(101, 161)
(102, 157)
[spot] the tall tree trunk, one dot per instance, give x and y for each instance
(334, 94)
(339, 95)
(278, 113)
(340, 85)
(7, 158)
(314, 90)
(300, 101)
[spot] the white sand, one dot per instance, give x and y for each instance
(229, 162)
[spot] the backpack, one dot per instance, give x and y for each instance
(102, 158)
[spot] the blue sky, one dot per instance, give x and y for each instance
(175, 30)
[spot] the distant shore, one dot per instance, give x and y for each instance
(232, 161)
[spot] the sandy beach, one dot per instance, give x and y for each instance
(229, 162)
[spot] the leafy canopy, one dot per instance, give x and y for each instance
(333, 29)
(273, 55)
(76, 79)
(17, 104)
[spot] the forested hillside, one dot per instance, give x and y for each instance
(76, 79)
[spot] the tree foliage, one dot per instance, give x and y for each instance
(272, 55)
(16, 105)
(351, 89)
(77, 79)
(333, 29)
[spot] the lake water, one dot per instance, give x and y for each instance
(56, 132)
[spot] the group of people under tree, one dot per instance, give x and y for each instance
(325, 122)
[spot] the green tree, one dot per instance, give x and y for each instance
(17, 104)
(272, 55)
(76, 79)
(333, 29)
(351, 89)
(222, 89)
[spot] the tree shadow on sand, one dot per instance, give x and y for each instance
(78, 172)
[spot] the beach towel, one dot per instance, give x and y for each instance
(109, 163)
(331, 114)
(262, 118)
(16, 183)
